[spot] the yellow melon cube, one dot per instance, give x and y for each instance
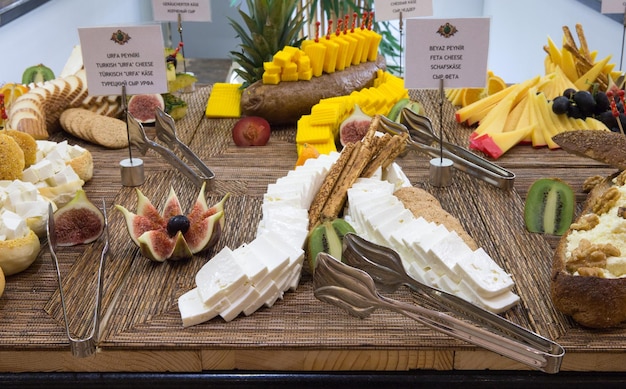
(282, 58)
(271, 78)
(271, 67)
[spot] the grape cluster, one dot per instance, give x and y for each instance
(603, 106)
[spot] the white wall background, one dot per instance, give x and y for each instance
(519, 30)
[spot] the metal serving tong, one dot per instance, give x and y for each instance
(166, 132)
(422, 137)
(86, 346)
(353, 285)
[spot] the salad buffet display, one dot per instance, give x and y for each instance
(302, 161)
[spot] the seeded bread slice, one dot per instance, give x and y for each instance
(603, 146)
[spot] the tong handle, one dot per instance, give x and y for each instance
(548, 361)
(166, 131)
(463, 159)
(176, 162)
(494, 323)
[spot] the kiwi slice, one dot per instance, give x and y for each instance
(37, 74)
(549, 207)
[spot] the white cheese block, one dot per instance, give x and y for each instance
(268, 291)
(390, 227)
(483, 274)
(444, 255)
(395, 175)
(193, 310)
(420, 244)
(42, 170)
(408, 231)
(219, 276)
(496, 304)
(295, 255)
(237, 305)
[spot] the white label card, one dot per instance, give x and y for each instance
(189, 11)
(454, 50)
(613, 6)
(391, 9)
(131, 55)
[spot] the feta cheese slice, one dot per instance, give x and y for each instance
(496, 304)
(482, 273)
(193, 310)
(445, 254)
(219, 276)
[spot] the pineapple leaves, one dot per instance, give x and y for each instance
(269, 26)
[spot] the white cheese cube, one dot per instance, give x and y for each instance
(193, 310)
(483, 274)
(63, 176)
(12, 226)
(42, 169)
(219, 276)
(28, 209)
(29, 175)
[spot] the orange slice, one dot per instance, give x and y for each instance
(495, 84)
(471, 95)
(307, 151)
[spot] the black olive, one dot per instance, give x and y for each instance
(178, 223)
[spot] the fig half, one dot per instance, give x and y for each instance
(78, 222)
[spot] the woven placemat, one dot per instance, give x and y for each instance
(140, 296)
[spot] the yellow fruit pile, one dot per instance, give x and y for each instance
(579, 64)
(335, 52)
(466, 96)
(321, 127)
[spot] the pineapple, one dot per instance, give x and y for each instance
(269, 26)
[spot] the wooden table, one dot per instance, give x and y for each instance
(142, 331)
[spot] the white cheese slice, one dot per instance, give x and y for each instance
(295, 255)
(193, 310)
(408, 231)
(445, 254)
(390, 227)
(422, 243)
(220, 276)
(395, 175)
(484, 274)
(237, 305)
(496, 304)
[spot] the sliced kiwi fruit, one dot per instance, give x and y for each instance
(37, 74)
(549, 208)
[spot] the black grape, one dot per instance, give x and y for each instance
(560, 105)
(602, 102)
(585, 102)
(569, 92)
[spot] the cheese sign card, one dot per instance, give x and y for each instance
(391, 9)
(452, 50)
(613, 6)
(189, 11)
(133, 56)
